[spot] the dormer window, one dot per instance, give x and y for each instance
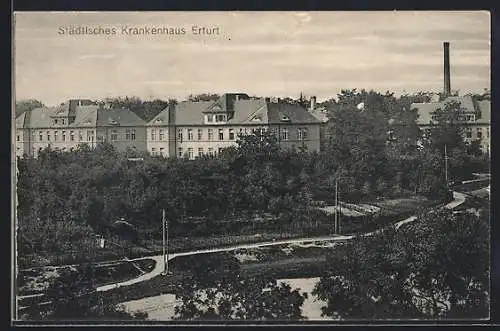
(113, 121)
(55, 121)
(256, 119)
(158, 120)
(285, 118)
(220, 118)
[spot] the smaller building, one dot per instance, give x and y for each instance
(475, 118)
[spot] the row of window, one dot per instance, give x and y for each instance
(129, 135)
(47, 136)
(302, 134)
(190, 152)
(479, 133)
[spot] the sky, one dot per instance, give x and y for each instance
(258, 53)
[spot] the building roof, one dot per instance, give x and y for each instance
(118, 117)
(320, 114)
(467, 103)
(85, 116)
(243, 110)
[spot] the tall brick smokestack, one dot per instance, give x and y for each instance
(447, 84)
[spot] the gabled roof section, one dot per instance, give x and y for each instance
(425, 111)
(161, 119)
(190, 113)
(280, 113)
(252, 111)
(117, 117)
(320, 114)
(20, 120)
(86, 116)
(39, 117)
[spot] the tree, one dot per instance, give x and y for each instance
(204, 97)
(217, 290)
(435, 267)
(72, 296)
(27, 105)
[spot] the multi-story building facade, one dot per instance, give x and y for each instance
(193, 129)
(78, 122)
(475, 118)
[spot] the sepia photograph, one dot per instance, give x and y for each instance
(252, 166)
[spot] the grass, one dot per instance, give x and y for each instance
(36, 281)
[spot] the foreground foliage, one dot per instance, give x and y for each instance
(436, 267)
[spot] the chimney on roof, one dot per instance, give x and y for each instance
(447, 84)
(79, 102)
(312, 106)
(268, 100)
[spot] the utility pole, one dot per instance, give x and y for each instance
(336, 206)
(340, 209)
(165, 261)
(446, 165)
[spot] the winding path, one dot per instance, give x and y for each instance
(458, 199)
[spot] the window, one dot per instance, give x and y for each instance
(220, 150)
(48, 135)
(302, 133)
(231, 134)
(114, 135)
(162, 151)
(153, 134)
(220, 118)
(80, 136)
(200, 152)
(241, 132)
(211, 151)
(71, 136)
(63, 121)
(64, 136)
(162, 134)
(208, 118)
(179, 152)
(200, 134)
(190, 154)
(190, 134)
(468, 132)
(127, 134)
(487, 132)
(179, 134)
(40, 136)
(210, 134)
(55, 121)
(56, 135)
(18, 138)
(221, 134)
(284, 134)
(133, 134)
(90, 135)
(153, 151)
(479, 133)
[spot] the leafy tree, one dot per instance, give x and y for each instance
(203, 97)
(27, 105)
(436, 267)
(218, 291)
(72, 296)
